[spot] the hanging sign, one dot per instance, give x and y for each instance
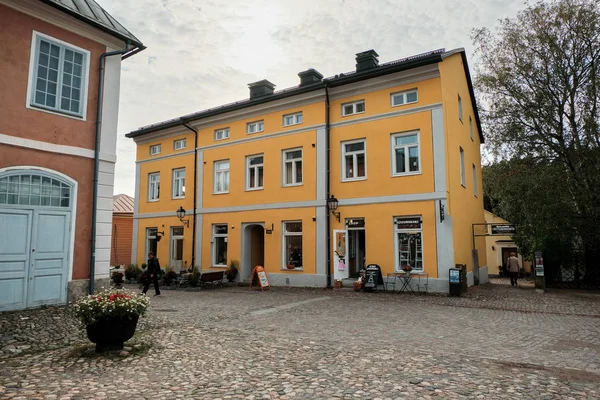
(503, 229)
(259, 278)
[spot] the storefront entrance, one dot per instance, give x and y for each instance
(253, 248)
(349, 249)
(357, 253)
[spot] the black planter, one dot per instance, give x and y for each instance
(111, 333)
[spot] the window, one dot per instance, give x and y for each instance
(474, 181)
(409, 243)
(402, 98)
(405, 153)
(292, 119)
(463, 180)
(179, 183)
(254, 172)
(356, 107)
(471, 127)
(154, 150)
(292, 245)
(153, 186)
(179, 144)
(292, 167)
(35, 190)
(253, 127)
(221, 182)
(221, 134)
(354, 164)
(151, 240)
(460, 115)
(59, 77)
(219, 256)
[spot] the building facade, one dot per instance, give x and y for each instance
(395, 146)
(122, 230)
(58, 121)
(499, 248)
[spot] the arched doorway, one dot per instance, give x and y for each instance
(36, 208)
(253, 248)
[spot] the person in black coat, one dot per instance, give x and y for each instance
(152, 272)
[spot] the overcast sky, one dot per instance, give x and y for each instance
(203, 53)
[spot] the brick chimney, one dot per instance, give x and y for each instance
(366, 60)
(261, 88)
(309, 77)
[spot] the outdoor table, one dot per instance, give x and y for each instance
(405, 280)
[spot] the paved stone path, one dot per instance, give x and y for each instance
(496, 342)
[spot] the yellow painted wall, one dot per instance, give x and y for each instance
(143, 149)
(163, 224)
(464, 208)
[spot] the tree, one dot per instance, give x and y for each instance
(539, 74)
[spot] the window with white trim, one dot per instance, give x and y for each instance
(59, 77)
(356, 107)
(402, 98)
(180, 144)
(35, 190)
(471, 127)
(153, 186)
(292, 245)
(460, 111)
(463, 179)
(155, 149)
(408, 243)
(474, 180)
(354, 161)
(254, 172)
(405, 153)
(151, 242)
(221, 179)
(254, 127)
(179, 183)
(292, 167)
(292, 119)
(221, 134)
(219, 241)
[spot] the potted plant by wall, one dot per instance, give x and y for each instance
(169, 277)
(110, 317)
(232, 271)
(117, 278)
(132, 272)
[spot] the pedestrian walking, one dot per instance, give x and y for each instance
(152, 274)
(513, 268)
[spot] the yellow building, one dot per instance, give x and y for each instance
(499, 247)
(395, 146)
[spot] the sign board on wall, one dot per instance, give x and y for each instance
(503, 229)
(539, 264)
(408, 223)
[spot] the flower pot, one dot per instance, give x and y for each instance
(357, 286)
(111, 333)
(337, 284)
(290, 266)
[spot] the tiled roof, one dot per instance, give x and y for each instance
(122, 204)
(89, 11)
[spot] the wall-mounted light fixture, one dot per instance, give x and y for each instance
(332, 205)
(180, 215)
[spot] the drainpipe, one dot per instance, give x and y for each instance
(195, 191)
(328, 162)
(97, 157)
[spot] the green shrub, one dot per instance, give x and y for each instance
(169, 277)
(132, 272)
(195, 277)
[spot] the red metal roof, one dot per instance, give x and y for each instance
(122, 204)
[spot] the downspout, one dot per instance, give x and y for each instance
(327, 163)
(195, 191)
(97, 159)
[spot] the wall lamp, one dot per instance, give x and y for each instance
(332, 204)
(180, 215)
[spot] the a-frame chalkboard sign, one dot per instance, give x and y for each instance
(259, 278)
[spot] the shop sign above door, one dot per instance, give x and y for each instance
(355, 223)
(503, 229)
(408, 223)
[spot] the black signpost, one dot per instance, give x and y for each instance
(373, 277)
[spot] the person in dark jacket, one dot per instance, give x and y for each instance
(152, 272)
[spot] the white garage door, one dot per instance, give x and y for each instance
(35, 217)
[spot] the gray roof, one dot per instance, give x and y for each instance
(90, 12)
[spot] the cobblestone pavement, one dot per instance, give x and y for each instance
(495, 342)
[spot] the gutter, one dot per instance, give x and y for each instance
(195, 191)
(327, 163)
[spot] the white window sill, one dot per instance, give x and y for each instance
(218, 140)
(293, 269)
(254, 189)
(218, 266)
(178, 198)
(349, 115)
(354, 179)
(407, 174)
(292, 184)
(152, 201)
(183, 148)
(405, 104)
(463, 185)
(56, 112)
(221, 192)
(252, 133)
(297, 123)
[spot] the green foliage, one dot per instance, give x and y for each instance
(108, 304)
(195, 277)
(169, 277)
(132, 272)
(117, 277)
(232, 271)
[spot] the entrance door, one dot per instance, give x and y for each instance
(176, 248)
(340, 258)
(356, 251)
(14, 258)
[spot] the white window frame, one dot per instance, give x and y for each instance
(292, 161)
(175, 195)
(406, 147)
(148, 238)
(155, 149)
(223, 132)
(471, 128)
(218, 173)
(475, 180)
(296, 119)
(214, 245)
(463, 179)
(255, 127)
(31, 82)
(354, 160)
(153, 187)
(179, 144)
(353, 104)
(397, 266)
(257, 166)
(460, 109)
(404, 96)
(286, 234)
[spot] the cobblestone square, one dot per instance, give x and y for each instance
(236, 343)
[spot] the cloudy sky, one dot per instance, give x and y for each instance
(203, 53)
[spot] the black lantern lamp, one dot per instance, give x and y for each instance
(180, 215)
(332, 204)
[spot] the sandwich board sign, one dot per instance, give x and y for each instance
(259, 278)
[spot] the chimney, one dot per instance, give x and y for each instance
(366, 60)
(261, 88)
(309, 77)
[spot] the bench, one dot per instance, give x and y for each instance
(212, 278)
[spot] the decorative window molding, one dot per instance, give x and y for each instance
(222, 134)
(406, 153)
(292, 119)
(155, 149)
(292, 245)
(355, 107)
(178, 183)
(255, 172)
(153, 186)
(354, 160)
(292, 167)
(463, 179)
(151, 242)
(255, 127)
(35, 190)
(403, 98)
(179, 144)
(219, 245)
(221, 177)
(408, 243)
